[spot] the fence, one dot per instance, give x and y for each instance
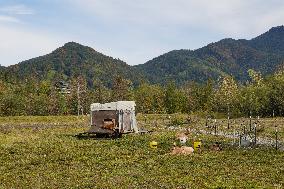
(244, 132)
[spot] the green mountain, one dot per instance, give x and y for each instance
(178, 66)
(74, 60)
(2, 72)
(271, 41)
(226, 57)
(264, 53)
(2, 68)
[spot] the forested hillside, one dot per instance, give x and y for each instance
(179, 66)
(271, 41)
(73, 60)
(226, 57)
(238, 77)
(2, 68)
(261, 96)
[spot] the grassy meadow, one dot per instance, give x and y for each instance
(44, 152)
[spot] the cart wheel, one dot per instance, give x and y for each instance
(116, 134)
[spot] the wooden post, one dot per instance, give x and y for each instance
(255, 134)
(250, 123)
(245, 132)
(228, 116)
(276, 138)
(240, 139)
(78, 99)
(228, 122)
(215, 127)
(234, 134)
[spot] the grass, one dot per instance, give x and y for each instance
(43, 119)
(43, 152)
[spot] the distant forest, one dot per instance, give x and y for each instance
(258, 97)
(234, 77)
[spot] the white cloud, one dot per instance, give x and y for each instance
(233, 17)
(17, 10)
(4, 18)
(18, 44)
(147, 26)
(133, 30)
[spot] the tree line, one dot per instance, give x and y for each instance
(258, 97)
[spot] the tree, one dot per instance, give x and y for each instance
(12, 104)
(175, 100)
(144, 98)
(149, 98)
(121, 89)
(254, 95)
(100, 94)
(255, 77)
(275, 88)
(227, 95)
(199, 97)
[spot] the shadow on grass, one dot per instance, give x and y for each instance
(88, 136)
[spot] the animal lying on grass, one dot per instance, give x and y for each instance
(184, 150)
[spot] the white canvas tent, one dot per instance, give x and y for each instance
(114, 117)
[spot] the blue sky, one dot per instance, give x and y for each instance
(132, 30)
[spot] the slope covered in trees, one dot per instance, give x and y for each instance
(179, 66)
(239, 76)
(226, 57)
(73, 60)
(271, 41)
(2, 72)
(2, 68)
(261, 96)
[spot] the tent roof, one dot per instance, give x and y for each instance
(120, 105)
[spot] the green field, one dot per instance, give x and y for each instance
(43, 152)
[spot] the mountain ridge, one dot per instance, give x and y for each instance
(73, 60)
(225, 57)
(264, 53)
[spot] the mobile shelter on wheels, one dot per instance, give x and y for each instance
(113, 119)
